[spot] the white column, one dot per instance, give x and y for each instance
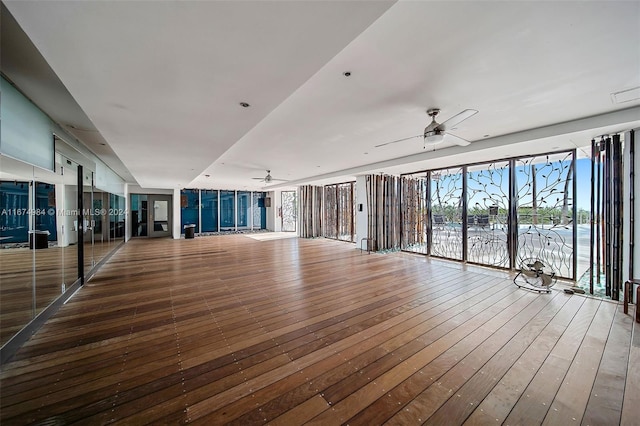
(362, 216)
(175, 220)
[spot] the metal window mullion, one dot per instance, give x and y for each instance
(592, 213)
(429, 213)
(632, 167)
(575, 214)
(465, 215)
(598, 212)
(199, 210)
(80, 227)
(616, 210)
(512, 219)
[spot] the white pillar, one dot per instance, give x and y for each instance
(176, 231)
(362, 216)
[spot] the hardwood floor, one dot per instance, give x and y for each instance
(229, 329)
(21, 267)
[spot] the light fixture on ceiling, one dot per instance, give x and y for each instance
(435, 132)
(433, 137)
(244, 105)
(347, 73)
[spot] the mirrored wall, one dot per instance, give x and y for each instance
(40, 232)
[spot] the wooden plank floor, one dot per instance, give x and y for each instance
(19, 267)
(231, 330)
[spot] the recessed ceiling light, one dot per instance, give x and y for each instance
(207, 176)
(365, 153)
(103, 144)
(347, 73)
(244, 105)
(486, 136)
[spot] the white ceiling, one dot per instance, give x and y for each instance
(162, 82)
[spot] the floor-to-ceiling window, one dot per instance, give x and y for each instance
(346, 211)
(468, 212)
(415, 212)
(446, 213)
(289, 211)
(259, 210)
(545, 204)
(209, 210)
(330, 206)
(339, 211)
(189, 208)
(244, 209)
(227, 210)
(487, 214)
(213, 210)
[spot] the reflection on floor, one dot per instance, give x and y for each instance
(48, 270)
(266, 236)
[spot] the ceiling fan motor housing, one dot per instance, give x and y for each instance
(433, 135)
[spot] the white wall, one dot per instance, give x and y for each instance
(274, 221)
(176, 231)
(362, 217)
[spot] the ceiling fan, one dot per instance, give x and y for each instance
(268, 178)
(435, 132)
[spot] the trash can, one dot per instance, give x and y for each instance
(38, 239)
(189, 231)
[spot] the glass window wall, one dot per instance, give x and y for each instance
(209, 210)
(259, 210)
(189, 208)
(244, 210)
(227, 210)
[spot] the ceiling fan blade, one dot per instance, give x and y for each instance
(281, 180)
(456, 119)
(457, 140)
(258, 178)
(399, 140)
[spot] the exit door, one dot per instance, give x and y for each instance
(160, 219)
(151, 215)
